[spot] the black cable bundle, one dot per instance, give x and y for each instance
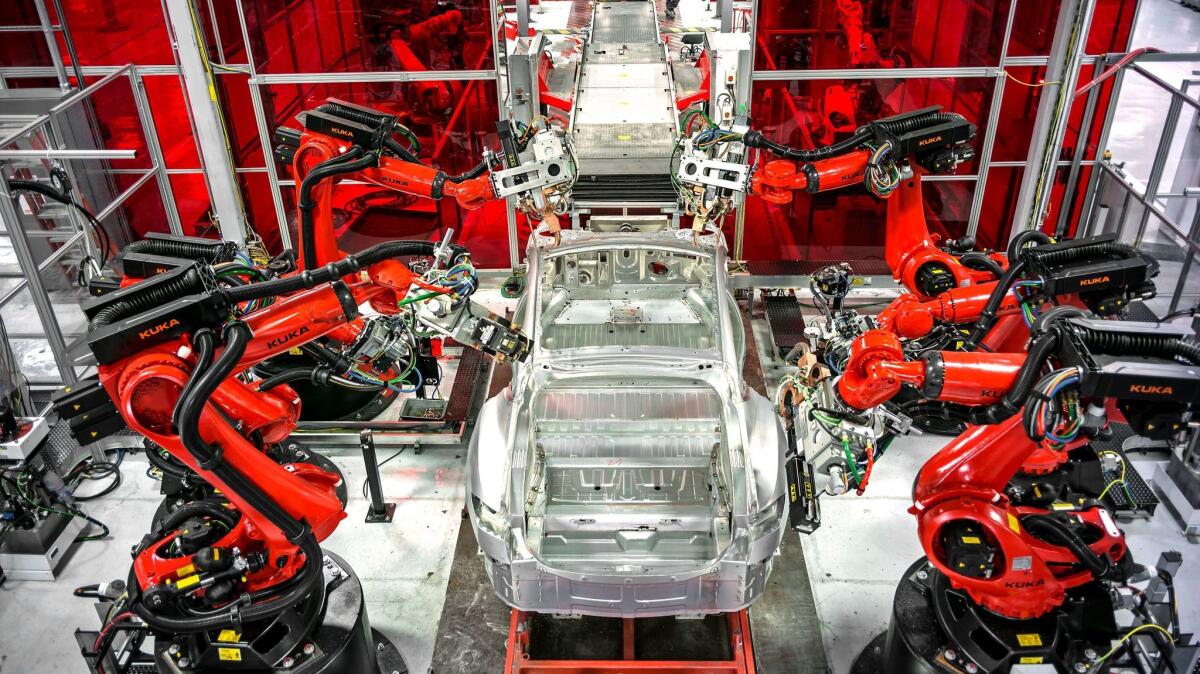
(185, 250)
(103, 240)
(353, 160)
(196, 394)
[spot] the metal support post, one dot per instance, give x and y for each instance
(160, 166)
(1160, 162)
(725, 14)
(64, 81)
(378, 510)
(211, 137)
(1089, 111)
(522, 18)
(37, 290)
(1050, 125)
(1193, 235)
(989, 134)
(1086, 214)
(69, 43)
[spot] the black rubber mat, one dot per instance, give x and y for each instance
(785, 319)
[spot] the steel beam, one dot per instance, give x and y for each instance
(211, 137)
(1050, 125)
(37, 290)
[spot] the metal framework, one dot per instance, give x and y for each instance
(43, 138)
(1117, 202)
(257, 80)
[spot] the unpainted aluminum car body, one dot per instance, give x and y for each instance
(628, 470)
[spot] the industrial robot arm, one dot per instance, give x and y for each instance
(171, 352)
(535, 165)
(1018, 560)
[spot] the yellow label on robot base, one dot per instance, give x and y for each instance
(1029, 640)
(230, 654)
(229, 637)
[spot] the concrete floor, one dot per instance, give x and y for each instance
(404, 565)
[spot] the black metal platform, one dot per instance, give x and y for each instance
(1144, 499)
(785, 320)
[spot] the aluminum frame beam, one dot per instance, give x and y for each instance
(212, 140)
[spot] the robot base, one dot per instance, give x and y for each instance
(342, 643)
(936, 629)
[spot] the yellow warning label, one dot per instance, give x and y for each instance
(1032, 660)
(185, 570)
(1013, 523)
(187, 582)
(971, 540)
(1029, 640)
(229, 654)
(624, 137)
(229, 636)
(1062, 505)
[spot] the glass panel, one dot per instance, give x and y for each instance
(924, 33)
(369, 35)
(1137, 126)
(260, 208)
(193, 204)
(35, 361)
(240, 121)
(171, 121)
(999, 203)
(1170, 250)
(22, 49)
(116, 32)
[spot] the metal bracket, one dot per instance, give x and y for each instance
(526, 177)
(713, 172)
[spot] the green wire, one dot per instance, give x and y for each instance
(418, 298)
(71, 514)
(850, 459)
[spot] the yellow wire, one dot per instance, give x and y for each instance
(1119, 480)
(1029, 84)
(1134, 631)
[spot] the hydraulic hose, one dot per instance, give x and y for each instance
(1051, 530)
(191, 282)
(756, 139)
(208, 508)
(294, 374)
(103, 241)
(987, 317)
(1154, 346)
(1023, 239)
(1048, 317)
(197, 393)
(1027, 376)
(351, 161)
(977, 260)
(186, 250)
(330, 272)
(894, 127)
(400, 151)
